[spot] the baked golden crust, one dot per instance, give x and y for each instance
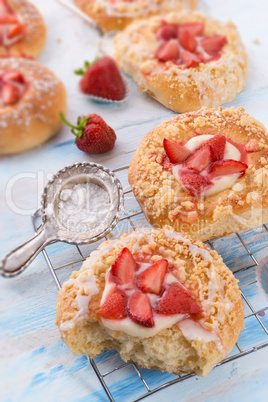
(200, 269)
(163, 200)
(116, 16)
(35, 118)
(183, 89)
(34, 39)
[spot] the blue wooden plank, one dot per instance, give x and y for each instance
(35, 363)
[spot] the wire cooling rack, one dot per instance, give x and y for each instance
(243, 262)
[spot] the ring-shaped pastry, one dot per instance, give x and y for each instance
(113, 15)
(184, 60)
(161, 299)
(22, 29)
(204, 173)
(31, 97)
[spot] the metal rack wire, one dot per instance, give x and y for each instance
(130, 218)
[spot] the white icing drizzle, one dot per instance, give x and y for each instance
(193, 331)
(89, 286)
(215, 285)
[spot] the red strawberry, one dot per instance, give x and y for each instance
(200, 159)
(102, 78)
(177, 153)
(139, 309)
(123, 269)
(187, 39)
(168, 51)
(15, 30)
(217, 143)
(177, 300)
(166, 32)
(10, 94)
(5, 8)
(196, 28)
(151, 280)
(113, 307)
(14, 75)
(190, 59)
(227, 166)
(194, 183)
(213, 44)
(93, 135)
(8, 19)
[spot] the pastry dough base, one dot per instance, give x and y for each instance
(35, 118)
(168, 350)
(182, 89)
(108, 22)
(162, 198)
(35, 36)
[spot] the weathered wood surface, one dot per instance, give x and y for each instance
(35, 363)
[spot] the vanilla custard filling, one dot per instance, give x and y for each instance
(130, 327)
(220, 183)
(192, 330)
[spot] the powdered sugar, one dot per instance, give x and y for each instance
(30, 16)
(43, 87)
(139, 8)
(84, 207)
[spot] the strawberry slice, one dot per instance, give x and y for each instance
(10, 94)
(123, 269)
(114, 307)
(177, 153)
(227, 166)
(15, 30)
(151, 280)
(177, 300)
(168, 51)
(8, 19)
(187, 39)
(190, 59)
(14, 75)
(5, 8)
(213, 44)
(139, 309)
(194, 183)
(166, 32)
(196, 28)
(201, 159)
(217, 143)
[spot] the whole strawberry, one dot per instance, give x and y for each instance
(102, 78)
(93, 135)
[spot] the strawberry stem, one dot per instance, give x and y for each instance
(87, 64)
(81, 124)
